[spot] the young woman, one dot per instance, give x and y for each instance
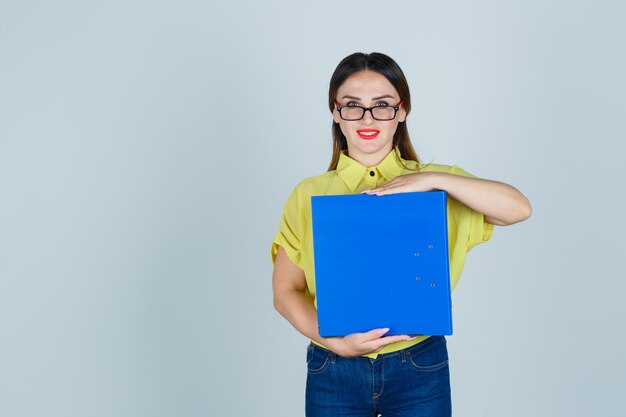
(367, 374)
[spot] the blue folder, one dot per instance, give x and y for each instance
(382, 261)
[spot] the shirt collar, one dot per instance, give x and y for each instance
(351, 171)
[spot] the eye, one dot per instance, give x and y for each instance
(382, 104)
(352, 104)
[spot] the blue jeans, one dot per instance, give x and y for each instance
(411, 382)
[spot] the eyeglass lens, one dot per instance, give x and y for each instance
(378, 113)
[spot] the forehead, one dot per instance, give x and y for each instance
(365, 85)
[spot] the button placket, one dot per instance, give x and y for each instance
(371, 177)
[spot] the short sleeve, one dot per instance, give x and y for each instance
(479, 230)
(289, 234)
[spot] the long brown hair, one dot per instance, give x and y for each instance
(386, 67)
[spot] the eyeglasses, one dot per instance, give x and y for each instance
(382, 113)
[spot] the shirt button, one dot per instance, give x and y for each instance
(372, 173)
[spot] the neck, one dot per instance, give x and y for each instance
(369, 160)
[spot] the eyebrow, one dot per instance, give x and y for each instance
(374, 99)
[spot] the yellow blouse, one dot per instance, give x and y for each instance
(466, 227)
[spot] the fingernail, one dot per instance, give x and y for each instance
(383, 331)
(410, 338)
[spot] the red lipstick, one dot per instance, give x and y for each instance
(367, 134)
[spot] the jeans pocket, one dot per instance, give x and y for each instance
(317, 359)
(432, 357)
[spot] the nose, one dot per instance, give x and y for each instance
(367, 117)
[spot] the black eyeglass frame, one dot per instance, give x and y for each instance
(369, 109)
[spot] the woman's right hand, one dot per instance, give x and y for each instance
(292, 301)
(358, 344)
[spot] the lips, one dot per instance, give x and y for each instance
(367, 134)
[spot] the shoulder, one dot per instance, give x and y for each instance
(450, 169)
(316, 184)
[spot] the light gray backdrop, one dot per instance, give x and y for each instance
(147, 149)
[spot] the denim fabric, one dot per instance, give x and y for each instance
(411, 382)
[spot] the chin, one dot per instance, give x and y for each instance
(371, 147)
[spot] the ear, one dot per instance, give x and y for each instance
(402, 114)
(336, 116)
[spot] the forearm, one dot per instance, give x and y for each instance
(501, 203)
(297, 307)
(293, 302)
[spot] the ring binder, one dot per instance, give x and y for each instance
(382, 261)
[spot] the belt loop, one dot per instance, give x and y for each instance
(333, 357)
(402, 356)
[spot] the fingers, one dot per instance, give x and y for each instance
(387, 190)
(370, 342)
(384, 341)
(392, 187)
(400, 188)
(375, 334)
(378, 344)
(375, 340)
(379, 189)
(404, 184)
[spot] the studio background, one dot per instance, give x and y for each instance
(147, 149)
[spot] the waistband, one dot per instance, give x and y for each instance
(401, 352)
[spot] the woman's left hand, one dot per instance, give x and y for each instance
(419, 181)
(500, 203)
